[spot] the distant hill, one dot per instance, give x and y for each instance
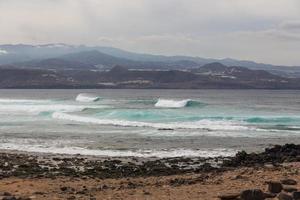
(21, 53)
(96, 58)
(212, 76)
(54, 63)
(239, 73)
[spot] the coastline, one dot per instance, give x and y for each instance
(51, 176)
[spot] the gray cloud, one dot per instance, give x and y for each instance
(265, 31)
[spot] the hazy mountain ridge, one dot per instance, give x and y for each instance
(34, 53)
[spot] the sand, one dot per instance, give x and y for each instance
(202, 186)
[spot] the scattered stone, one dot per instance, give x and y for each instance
(71, 198)
(146, 192)
(284, 196)
(289, 189)
(296, 195)
(254, 194)
(274, 187)
(24, 198)
(229, 196)
(269, 195)
(39, 193)
(7, 194)
(288, 182)
(64, 189)
(9, 198)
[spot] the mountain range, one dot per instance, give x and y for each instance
(63, 56)
(210, 76)
(67, 66)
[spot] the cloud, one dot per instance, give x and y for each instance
(210, 28)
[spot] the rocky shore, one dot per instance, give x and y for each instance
(33, 176)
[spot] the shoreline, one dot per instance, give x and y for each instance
(53, 176)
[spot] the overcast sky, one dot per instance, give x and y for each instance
(260, 30)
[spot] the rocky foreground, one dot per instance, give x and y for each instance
(25, 176)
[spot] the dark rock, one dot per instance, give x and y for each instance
(275, 155)
(71, 198)
(229, 196)
(39, 193)
(296, 195)
(9, 198)
(7, 194)
(274, 187)
(24, 198)
(284, 196)
(64, 188)
(289, 189)
(255, 194)
(288, 182)
(269, 195)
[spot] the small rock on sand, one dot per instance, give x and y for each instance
(288, 181)
(284, 196)
(254, 194)
(229, 196)
(274, 187)
(296, 195)
(289, 189)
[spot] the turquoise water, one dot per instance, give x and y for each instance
(162, 123)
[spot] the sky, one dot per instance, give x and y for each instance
(265, 31)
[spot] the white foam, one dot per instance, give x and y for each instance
(202, 124)
(169, 103)
(3, 52)
(29, 101)
(117, 153)
(84, 97)
(36, 109)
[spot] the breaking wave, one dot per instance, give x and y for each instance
(170, 153)
(201, 124)
(85, 97)
(169, 103)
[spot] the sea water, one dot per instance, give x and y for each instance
(148, 123)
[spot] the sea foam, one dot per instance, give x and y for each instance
(201, 124)
(71, 150)
(169, 103)
(85, 97)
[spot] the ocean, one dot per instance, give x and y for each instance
(148, 123)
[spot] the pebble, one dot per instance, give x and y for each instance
(289, 189)
(229, 196)
(284, 196)
(288, 182)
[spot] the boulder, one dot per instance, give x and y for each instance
(274, 187)
(254, 194)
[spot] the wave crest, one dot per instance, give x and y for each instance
(85, 97)
(169, 103)
(202, 124)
